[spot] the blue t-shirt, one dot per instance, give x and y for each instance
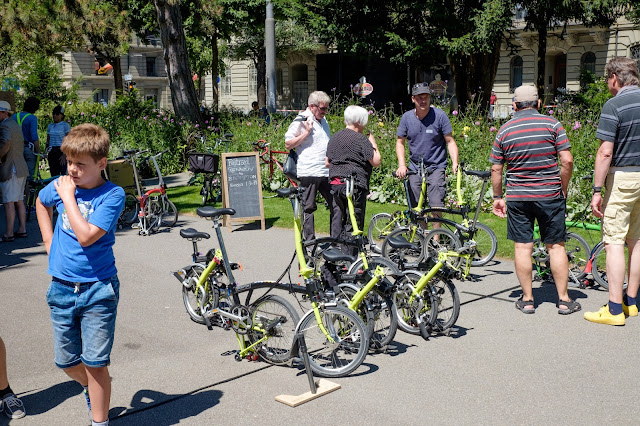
(426, 137)
(68, 260)
(57, 132)
(29, 126)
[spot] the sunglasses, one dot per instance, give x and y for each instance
(323, 109)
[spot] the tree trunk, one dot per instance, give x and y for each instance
(542, 58)
(474, 76)
(117, 75)
(215, 57)
(261, 77)
(183, 92)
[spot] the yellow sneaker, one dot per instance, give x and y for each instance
(630, 311)
(603, 316)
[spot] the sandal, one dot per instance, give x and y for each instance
(4, 239)
(572, 306)
(522, 306)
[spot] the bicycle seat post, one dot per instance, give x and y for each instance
(227, 266)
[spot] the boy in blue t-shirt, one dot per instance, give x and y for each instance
(84, 291)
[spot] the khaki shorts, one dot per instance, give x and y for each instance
(621, 208)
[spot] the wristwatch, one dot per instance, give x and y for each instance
(497, 197)
(597, 189)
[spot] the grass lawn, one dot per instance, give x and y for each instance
(277, 212)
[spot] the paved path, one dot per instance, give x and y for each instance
(499, 366)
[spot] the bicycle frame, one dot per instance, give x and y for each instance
(267, 157)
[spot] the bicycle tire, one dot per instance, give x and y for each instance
(152, 212)
(410, 256)
(205, 191)
(578, 252)
(410, 313)
(599, 268)
(169, 214)
(277, 349)
(194, 298)
(131, 208)
(486, 245)
(442, 239)
(448, 304)
(378, 314)
(349, 348)
(390, 268)
(380, 226)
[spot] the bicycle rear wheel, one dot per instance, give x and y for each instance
(380, 226)
(442, 239)
(599, 267)
(411, 311)
(344, 351)
(578, 252)
(169, 214)
(274, 318)
(131, 208)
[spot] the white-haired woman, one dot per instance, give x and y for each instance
(350, 151)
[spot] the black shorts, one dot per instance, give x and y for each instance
(550, 215)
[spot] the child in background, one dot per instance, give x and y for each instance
(55, 134)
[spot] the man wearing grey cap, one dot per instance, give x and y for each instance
(430, 135)
(531, 144)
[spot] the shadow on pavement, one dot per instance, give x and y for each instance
(547, 293)
(46, 399)
(147, 407)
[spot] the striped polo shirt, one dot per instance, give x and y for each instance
(529, 143)
(619, 123)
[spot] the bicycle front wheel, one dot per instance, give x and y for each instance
(206, 190)
(409, 256)
(411, 311)
(345, 346)
(442, 239)
(196, 298)
(486, 245)
(378, 314)
(275, 319)
(169, 215)
(380, 226)
(578, 252)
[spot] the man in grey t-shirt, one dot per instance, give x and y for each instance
(309, 135)
(430, 135)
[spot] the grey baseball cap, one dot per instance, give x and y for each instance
(5, 106)
(420, 88)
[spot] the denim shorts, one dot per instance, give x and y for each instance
(84, 320)
(31, 160)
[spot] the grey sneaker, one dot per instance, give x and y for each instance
(12, 407)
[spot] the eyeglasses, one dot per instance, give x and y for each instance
(323, 109)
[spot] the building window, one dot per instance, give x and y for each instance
(520, 12)
(151, 95)
(225, 82)
(300, 78)
(101, 96)
(635, 52)
(587, 69)
(253, 81)
(151, 66)
(279, 81)
(516, 73)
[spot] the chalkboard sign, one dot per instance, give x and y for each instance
(242, 187)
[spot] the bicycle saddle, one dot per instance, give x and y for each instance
(129, 151)
(213, 212)
(192, 234)
(482, 175)
(335, 255)
(286, 192)
(401, 243)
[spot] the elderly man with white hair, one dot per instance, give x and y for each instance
(350, 151)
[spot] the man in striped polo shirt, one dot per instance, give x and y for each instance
(617, 167)
(531, 144)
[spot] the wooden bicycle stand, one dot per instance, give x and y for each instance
(318, 389)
